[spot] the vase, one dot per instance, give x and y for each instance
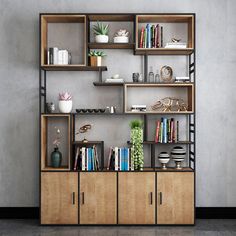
(137, 156)
(65, 106)
(56, 158)
(101, 38)
(121, 39)
(164, 158)
(99, 61)
(178, 155)
(93, 61)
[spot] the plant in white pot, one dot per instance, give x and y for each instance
(101, 32)
(96, 58)
(65, 102)
(121, 36)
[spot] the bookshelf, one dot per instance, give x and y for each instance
(68, 196)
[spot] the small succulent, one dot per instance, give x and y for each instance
(100, 29)
(122, 33)
(65, 96)
(96, 54)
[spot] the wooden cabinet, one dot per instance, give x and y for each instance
(59, 198)
(98, 198)
(175, 199)
(136, 198)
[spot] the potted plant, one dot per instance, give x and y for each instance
(101, 32)
(121, 36)
(56, 156)
(65, 102)
(137, 156)
(96, 58)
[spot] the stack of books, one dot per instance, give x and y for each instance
(167, 131)
(151, 36)
(58, 57)
(86, 159)
(176, 45)
(120, 159)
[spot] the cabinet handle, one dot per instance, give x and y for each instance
(73, 198)
(82, 198)
(160, 198)
(150, 198)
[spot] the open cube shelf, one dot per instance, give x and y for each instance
(70, 27)
(49, 124)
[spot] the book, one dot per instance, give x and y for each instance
(153, 36)
(141, 38)
(109, 158)
(157, 36)
(55, 56)
(116, 158)
(148, 36)
(161, 37)
(157, 131)
(177, 131)
(76, 158)
(83, 158)
(164, 130)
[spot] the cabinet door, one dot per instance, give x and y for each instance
(98, 198)
(136, 198)
(59, 198)
(175, 198)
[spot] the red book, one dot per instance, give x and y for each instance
(157, 132)
(141, 38)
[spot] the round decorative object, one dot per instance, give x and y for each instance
(50, 107)
(178, 155)
(166, 74)
(101, 38)
(65, 106)
(56, 158)
(164, 158)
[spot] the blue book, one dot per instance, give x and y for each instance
(148, 35)
(89, 159)
(126, 154)
(92, 159)
(165, 130)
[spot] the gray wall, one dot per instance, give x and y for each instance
(216, 124)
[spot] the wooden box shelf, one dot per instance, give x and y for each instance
(166, 19)
(181, 89)
(73, 68)
(49, 124)
(47, 20)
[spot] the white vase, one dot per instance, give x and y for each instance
(99, 61)
(65, 106)
(121, 39)
(101, 38)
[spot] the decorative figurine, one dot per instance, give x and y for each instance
(84, 129)
(164, 158)
(166, 74)
(178, 155)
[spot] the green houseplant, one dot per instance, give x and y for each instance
(96, 58)
(101, 32)
(136, 136)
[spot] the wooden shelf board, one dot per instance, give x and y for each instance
(111, 45)
(108, 84)
(164, 51)
(173, 169)
(111, 17)
(88, 143)
(73, 68)
(62, 168)
(174, 143)
(189, 84)
(63, 18)
(165, 18)
(161, 112)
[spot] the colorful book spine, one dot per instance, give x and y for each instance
(153, 36)
(161, 37)
(165, 130)
(83, 159)
(157, 36)
(141, 38)
(177, 131)
(76, 159)
(157, 131)
(148, 36)
(116, 158)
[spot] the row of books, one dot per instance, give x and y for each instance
(167, 131)
(86, 159)
(58, 57)
(151, 36)
(119, 159)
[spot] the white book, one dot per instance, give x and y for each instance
(65, 59)
(83, 158)
(48, 58)
(87, 159)
(55, 55)
(116, 158)
(60, 57)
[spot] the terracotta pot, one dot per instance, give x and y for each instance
(93, 61)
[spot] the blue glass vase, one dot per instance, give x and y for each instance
(56, 158)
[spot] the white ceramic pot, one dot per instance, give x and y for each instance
(101, 39)
(99, 61)
(121, 39)
(65, 106)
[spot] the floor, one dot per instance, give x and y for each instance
(202, 228)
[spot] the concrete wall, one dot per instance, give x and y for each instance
(216, 124)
